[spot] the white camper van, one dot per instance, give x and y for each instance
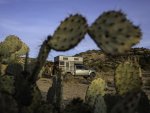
(73, 66)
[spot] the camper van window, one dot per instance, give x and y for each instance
(80, 67)
(76, 58)
(61, 63)
(64, 58)
(67, 64)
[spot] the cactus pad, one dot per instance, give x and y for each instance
(13, 43)
(129, 104)
(114, 33)
(4, 50)
(11, 48)
(23, 50)
(97, 87)
(127, 77)
(100, 105)
(41, 59)
(70, 32)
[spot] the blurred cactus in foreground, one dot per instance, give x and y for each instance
(7, 103)
(111, 31)
(69, 33)
(129, 104)
(114, 33)
(11, 48)
(55, 92)
(10, 51)
(128, 76)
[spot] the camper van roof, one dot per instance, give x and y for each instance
(68, 56)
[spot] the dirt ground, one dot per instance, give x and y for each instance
(77, 88)
(71, 89)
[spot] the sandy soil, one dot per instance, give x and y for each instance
(71, 89)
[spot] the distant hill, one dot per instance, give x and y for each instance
(102, 63)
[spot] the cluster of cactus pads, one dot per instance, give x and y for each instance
(129, 97)
(130, 102)
(111, 31)
(10, 51)
(11, 48)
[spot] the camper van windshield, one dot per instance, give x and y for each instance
(80, 67)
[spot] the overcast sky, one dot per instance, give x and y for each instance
(33, 20)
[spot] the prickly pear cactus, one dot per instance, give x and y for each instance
(97, 87)
(41, 59)
(51, 95)
(11, 48)
(7, 103)
(55, 93)
(13, 43)
(100, 105)
(3, 68)
(7, 84)
(129, 104)
(127, 77)
(70, 32)
(114, 33)
(23, 50)
(4, 50)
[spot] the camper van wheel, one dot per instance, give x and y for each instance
(68, 77)
(92, 75)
